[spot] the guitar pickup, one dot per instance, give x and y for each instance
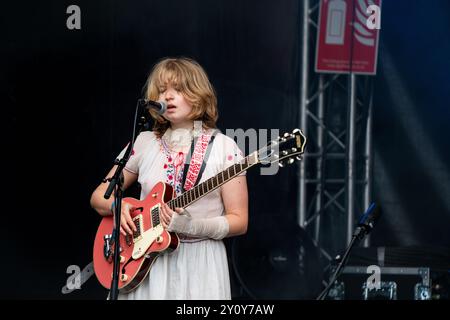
(139, 223)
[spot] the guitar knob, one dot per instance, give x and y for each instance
(122, 259)
(159, 239)
(291, 161)
(155, 195)
(123, 277)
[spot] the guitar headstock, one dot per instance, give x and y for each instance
(284, 150)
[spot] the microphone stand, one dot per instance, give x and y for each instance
(361, 231)
(340, 267)
(116, 185)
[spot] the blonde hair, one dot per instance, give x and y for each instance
(191, 80)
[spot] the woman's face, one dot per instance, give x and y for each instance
(178, 108)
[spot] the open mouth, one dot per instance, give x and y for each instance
(170, 107)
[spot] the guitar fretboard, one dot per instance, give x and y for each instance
(212, 183)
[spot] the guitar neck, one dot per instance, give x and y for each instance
(200, 190)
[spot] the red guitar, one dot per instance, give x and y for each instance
(140, 250)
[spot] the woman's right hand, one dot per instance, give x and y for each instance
(127, 225)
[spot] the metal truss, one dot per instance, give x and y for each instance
(336, 116)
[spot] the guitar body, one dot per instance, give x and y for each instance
(139, 251)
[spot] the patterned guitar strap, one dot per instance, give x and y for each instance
(196, 159)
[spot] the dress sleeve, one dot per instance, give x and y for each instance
(137, 153)
(229, 152)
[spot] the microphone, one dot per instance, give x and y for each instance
(158, 106)
(367, 221)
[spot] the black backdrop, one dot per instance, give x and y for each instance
(68, 98)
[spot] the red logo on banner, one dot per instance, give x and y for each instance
(334, 38)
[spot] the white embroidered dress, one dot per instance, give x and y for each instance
(196, 270)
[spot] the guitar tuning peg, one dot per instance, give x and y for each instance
(281, 164)
(283, 139)
(291, 161)
(294, 149)
(286, 135)
(284, 152)
(299, 158)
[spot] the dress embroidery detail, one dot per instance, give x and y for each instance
(173, 168)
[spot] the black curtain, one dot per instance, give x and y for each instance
(69, 98)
